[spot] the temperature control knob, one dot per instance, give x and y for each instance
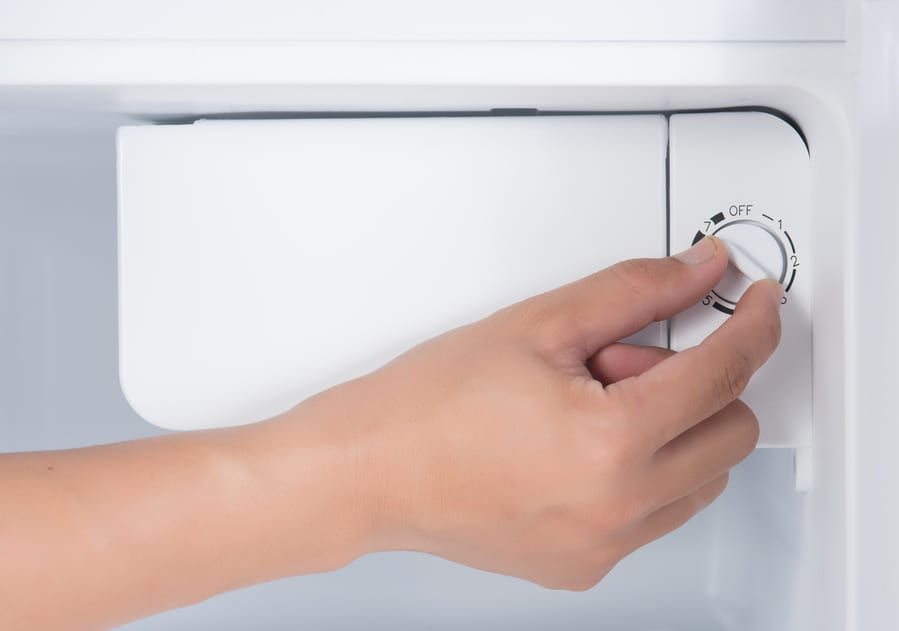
(745, 177)
(757, 249)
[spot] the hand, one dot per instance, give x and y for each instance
(531, 443)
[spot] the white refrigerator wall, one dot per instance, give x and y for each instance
(875, 304)
(408, 20)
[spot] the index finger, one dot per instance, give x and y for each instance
(683, 390)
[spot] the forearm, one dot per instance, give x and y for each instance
(530, 443)
(94, 537)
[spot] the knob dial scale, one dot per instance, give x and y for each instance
(759, 246)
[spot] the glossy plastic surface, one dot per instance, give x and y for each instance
(745, 177)
(263, 261)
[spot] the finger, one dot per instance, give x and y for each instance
(703, 453)
(674, 515)
(691, 385)
(620, 361)
(620, 300)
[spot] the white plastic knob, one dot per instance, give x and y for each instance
(755, 253)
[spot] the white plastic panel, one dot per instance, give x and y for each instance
(384, 20)
(745, 178)
(263, 261)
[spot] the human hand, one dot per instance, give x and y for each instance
(531, 443)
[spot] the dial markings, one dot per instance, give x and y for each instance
(743, 260)
(790, 284)
(720, 307)
(787, 234)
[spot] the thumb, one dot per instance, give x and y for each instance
(602, 308)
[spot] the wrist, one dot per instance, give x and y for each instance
(292, 492)
(325, 476)
(376, 439)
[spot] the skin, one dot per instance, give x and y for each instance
(529, 443)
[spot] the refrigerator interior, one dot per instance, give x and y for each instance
(60, 389)
(763, 557)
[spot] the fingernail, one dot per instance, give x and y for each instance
(703, 251)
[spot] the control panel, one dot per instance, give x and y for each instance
(744, 177)
(257, 240)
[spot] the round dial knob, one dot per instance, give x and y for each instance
(755, 253)
(758, 248)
